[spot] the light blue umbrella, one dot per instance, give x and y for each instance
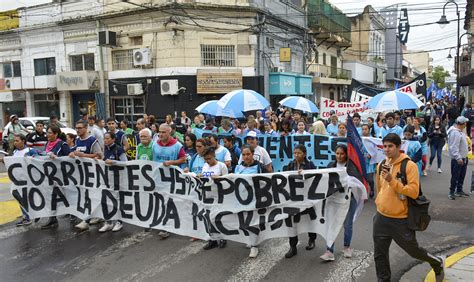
(299, 103)
(243, 100)
(393, 100)
(212, 108)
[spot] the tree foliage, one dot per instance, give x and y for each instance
(439, 75)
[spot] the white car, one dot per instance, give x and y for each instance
(30, 123)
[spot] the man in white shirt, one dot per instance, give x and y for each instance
(222, 153)
(260, 153)
(95, 131)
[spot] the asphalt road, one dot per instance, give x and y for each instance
(32, 254)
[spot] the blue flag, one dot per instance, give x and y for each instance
(433, 88)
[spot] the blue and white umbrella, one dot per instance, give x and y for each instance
(212, 108)
(393, 100)
(299, 103)
(243, 100)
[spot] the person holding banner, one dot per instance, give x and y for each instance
(260, 154)
(285, 128)
(250, 166)
(145, 147)
(121, 136)
(269, 129)
(211, 169)
(197, 161)
(113, 153)
(356, 119)
(299, 164)
(189, 146)
(341, 161)
(390, 127)
(342, 130)
(233, 149)
(221, 152)
(319, 128)
(55, 147)
(21, 150)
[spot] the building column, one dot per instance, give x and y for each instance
(65, 107)
(30, 105)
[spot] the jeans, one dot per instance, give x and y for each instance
(458, 173)
(386, 229)
(436, 151)
(347, 224)
(25, 213)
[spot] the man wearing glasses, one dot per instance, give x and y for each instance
(86, 147)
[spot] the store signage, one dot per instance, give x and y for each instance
(403, 26)
(285, 54)
(218, 81)
(77, 80)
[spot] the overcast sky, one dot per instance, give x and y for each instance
(419, 12)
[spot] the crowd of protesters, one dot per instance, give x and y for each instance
(174, 143)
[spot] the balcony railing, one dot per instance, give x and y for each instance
(324, 15)
(323, 71)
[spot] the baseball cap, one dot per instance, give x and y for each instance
(461, 120)
(13, 116)
(252, 134)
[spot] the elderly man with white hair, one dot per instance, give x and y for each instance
(145, 148)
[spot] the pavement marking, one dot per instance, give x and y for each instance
(270, 253)
(348, 269)
(4, 180)
(82, 261)
(430, 277)
(9, 211)
(164, 262)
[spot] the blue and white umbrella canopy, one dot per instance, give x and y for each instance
(393, 100)
(243, 100)
(299, 103)
(212, 108)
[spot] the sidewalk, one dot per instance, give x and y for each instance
(9, 208)
(459, 267)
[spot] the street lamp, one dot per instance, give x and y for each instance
(443, 21)
(449, 57)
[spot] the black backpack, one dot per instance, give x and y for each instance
(418, 217)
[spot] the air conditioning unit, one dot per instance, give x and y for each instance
(142, 57)
(169, 87)
(134, 89)
(8, 84)
(278, 69)
(108, 38)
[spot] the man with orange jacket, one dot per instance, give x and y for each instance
(390, 221)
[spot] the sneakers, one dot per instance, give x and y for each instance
(451, 196)
(210, 245)
(425, 173)
(23, 222)
(428, 168)
(439, 275)
(117, 227)
(310, 245)
(327, 256)
(163, 235)
(347, 252)
(95, 220)
(52, 222)
(461, 194)
(83, 225)
(106, 227)
(439, 170)
(253, 252)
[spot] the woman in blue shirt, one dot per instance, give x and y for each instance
(197, 162)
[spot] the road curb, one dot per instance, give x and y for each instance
(450, 261)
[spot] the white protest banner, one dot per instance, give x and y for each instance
(242, 208)
(374, 147)
(340, 108)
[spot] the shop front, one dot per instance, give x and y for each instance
(81, 88)
(11, 103)
(283, 84)
(127, 98)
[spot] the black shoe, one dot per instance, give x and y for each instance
(147, 229)
(371, 194)
(291, 253)
(210, 245)
(52, 222)
(461, 194)
(451, 196)
(37, 219)
(222, 244)
(439, 273)
(310, 245)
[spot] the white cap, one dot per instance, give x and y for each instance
(461, 120)
(252, 134)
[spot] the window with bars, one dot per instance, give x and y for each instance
(130, 109)
(218, 55)
(122, 59)
(82, 62)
